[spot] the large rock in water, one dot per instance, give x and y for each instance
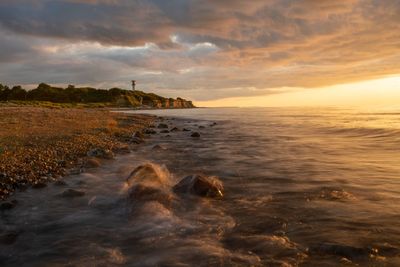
(149, 183)
(145, 173)
(204, 186)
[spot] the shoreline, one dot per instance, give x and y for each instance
(39, 145)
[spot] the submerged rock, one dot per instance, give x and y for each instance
(72, 193)
(138, 135)
(195, 135)
(137, 140)
(158, 147)
(201, 127)
(8, 205)
(205, 186)
(162, 126)
(9, 238)
(150, 131)
(164, 131)
(175, 129)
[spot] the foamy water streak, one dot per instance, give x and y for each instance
(316, 187)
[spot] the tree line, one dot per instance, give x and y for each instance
(72, 94)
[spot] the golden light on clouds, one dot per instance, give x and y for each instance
(205, 50)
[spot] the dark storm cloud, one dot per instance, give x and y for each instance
(210, 48)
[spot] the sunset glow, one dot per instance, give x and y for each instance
(216, 53)
(380, 93)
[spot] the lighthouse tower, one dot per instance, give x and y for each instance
(133, 85)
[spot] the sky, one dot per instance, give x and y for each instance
(215, 52)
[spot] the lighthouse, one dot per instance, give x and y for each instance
(133, 85)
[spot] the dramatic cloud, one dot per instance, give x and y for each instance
(202, 49)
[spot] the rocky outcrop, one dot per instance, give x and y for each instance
(169, 103)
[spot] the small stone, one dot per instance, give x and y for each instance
(164, 131)
(150, 131)
(74, 171)
(162, 126)
(201, 127)
(101, 153)
(72, 193)
(108, 154)
(92, 163)
(138, 135)
(186, 130)
(137, 140)
(175, 129)
(195, 134)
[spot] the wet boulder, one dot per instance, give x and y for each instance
(143, 193)
(200, 185)
(195, 135)
(149, 182)
(146, 173)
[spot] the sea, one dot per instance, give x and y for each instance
(302, 187)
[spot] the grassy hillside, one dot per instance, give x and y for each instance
(115, 97)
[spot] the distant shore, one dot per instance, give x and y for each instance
(42, 144)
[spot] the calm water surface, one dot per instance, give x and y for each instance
(303, 187)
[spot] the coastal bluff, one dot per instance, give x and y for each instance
(87, 96)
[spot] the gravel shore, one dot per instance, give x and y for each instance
(38, 145)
